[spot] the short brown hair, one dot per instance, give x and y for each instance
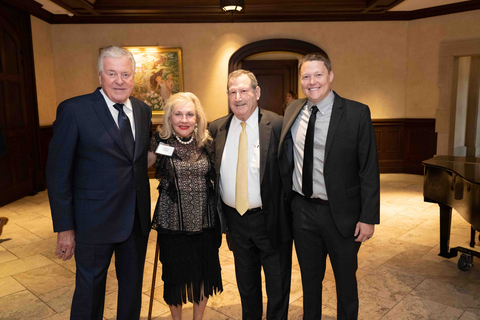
(315, 56)
(241, 72)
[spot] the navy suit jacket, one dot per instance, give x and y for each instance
(93, 183)
(351, 163)
(276, 212)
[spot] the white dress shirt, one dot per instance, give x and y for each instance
(228, 168)
(299, 131)
(127, 108)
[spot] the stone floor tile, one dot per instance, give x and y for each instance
(389, 232)
(454, 292)
(19, 237)
(6, 255)
(22, 265)
(59, 299)
(9, 285)
(420, 236)
(23, 305)
(417, 308)
(372, 307)
(148, 276)
(14, 218)
(42, 227)
(64, 315)
(110, 311)
(31, 249)
(22, 206)
(296, 288)
(402, 221)
(69, 264)
(389, 283)
(390, 264)
(228, 302)
(471, 314)
(422, 267)
(45, 279)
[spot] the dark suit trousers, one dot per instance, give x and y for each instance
(92, 262)
(252, 249)
(316, 235)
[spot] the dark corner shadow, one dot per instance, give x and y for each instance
(3, 240)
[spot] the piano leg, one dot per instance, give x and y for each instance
(472, 238)
(445, 225)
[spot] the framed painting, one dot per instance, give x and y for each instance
(159, 74)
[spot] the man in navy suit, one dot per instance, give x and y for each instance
(99, 189)
(329, 165)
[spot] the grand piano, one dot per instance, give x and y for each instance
(454, 182)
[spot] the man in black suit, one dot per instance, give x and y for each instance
(99, 189)
(246, 142)
(329, 167)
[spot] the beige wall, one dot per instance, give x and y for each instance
(424, 38)
(387, 65)
(44, 71)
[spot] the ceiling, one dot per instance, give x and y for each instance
(198, 11)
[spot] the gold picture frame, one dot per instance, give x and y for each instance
(158, 74)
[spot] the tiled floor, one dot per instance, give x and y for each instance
(400, 275)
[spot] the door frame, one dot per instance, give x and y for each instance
(286, 45)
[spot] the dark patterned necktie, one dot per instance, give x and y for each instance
(307, 173)
(125, 128)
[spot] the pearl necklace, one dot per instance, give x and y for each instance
(184, 142)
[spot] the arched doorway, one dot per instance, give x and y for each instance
(275, 77)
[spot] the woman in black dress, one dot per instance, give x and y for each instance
(185, 217)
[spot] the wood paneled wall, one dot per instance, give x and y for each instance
(402, 144)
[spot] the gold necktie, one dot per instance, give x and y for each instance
(241, 188)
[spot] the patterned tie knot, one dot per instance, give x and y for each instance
(243, 124)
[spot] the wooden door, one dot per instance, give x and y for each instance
(275, 79)
(17, 120)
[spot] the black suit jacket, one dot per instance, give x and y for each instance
(277, 214)
(351, 163)
(93, 182)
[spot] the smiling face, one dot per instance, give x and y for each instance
(184, 119)
(116, 78)
(315, 80)
(242, 98)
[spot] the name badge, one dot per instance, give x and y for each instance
(165, 150)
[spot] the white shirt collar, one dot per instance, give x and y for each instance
(324, 104)
(251, 121)
(110, 103)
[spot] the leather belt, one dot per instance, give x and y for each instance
(315, 200)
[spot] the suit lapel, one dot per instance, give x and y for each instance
(101, 108)
(137, 118)
(337, 111)
(264, 131)
(292, 117)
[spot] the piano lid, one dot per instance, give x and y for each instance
(467, 167)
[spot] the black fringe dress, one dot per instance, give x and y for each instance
(185, 220)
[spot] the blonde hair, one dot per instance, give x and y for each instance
(182, 98)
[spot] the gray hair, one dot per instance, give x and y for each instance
(114, 52)
(241, 72)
